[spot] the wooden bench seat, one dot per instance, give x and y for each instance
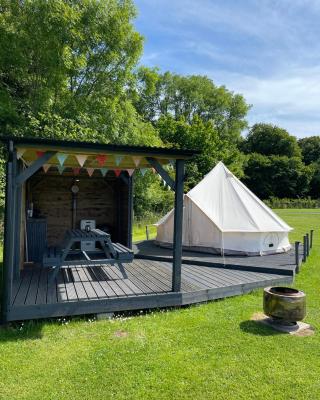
(52, 256)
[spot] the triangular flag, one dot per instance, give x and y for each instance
(153, 170)
(136, 160)
(101, 158)
(172, 162)
(46, 167)
(62, 158)
(143, 171)
(90, 171)
(60, 169)
(117, 172)
(39, 153)
(130, 171)
(76, 171)
(118, 160)
(81, 159)
(104, 171)
(20, 153)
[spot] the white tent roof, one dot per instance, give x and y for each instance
(231, 205)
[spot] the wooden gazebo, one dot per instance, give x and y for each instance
(51, 186)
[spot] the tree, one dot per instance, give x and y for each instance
(70, 63)
(277, 176)
(310, 148)
(270, 140)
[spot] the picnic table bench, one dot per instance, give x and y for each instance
(110, 253)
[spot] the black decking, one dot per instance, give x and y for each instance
(86, 290)
(283, 263)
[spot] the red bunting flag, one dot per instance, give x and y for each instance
(39, 153)
(76, 171)
(117, 172)
(101, 158)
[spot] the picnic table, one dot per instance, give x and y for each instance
(110, 253)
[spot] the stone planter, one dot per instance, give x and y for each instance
(286, 305)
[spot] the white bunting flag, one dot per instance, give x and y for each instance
(81, 159)
(46, 167)
(130, 171)
(90, 171)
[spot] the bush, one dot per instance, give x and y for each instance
(274, 202)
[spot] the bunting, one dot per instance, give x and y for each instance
(81, 159)
(118, 160)
(46, 167)
(76, 171)
(104, 171)
(39, 153)
(101, 158)
(60, 169)
(20, 153)
(90, 171)
(153, 170)
(172, 162)
(117, 172)
(143, 171)
(130, 171)
(136, 160)
(62, 158)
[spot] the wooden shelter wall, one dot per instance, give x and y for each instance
(101, 199)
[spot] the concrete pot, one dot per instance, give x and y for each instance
(286, 305)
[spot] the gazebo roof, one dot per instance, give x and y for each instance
(94, 155)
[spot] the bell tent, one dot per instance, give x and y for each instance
(221, 215)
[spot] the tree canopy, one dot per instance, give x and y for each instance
(310, 148)
(270, 140)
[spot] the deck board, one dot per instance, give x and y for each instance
(78, 289)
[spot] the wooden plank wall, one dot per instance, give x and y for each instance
(102, 199)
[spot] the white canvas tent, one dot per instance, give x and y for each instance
(221, 215)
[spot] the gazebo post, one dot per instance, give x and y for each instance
(8, 257)
(177, 232)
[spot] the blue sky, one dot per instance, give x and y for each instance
(269, 51)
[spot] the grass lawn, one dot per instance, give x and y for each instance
(209, 351)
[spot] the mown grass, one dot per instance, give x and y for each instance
(209, 351)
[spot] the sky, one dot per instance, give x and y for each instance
(267, 50)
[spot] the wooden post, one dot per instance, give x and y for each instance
(17, 190)
(8, 257)
(177, 232)
(308, 244)
(147, 232)
(130, 211)
(311, 238)
(296, 247)
(304, 258)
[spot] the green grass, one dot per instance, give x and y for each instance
(209, 351)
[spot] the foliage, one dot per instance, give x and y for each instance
(278, 176)
(270, 140)
(65, 67)
(151, 198)
(162, 355)
(310, 149)
(303, 203)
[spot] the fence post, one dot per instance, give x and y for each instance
(304, 258)
(308, 244)
(311, 238)
(147, 232)
(296, 246)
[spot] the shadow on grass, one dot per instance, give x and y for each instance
(257, 328)
(29, 330)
